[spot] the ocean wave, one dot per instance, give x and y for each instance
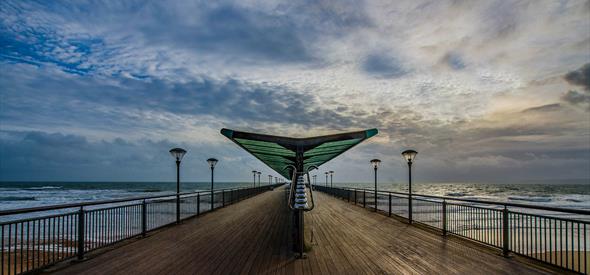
(147, 190)
(531, 199)
(455, 194)
(43, 188)
(14, 198)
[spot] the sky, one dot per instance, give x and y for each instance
(484, 90)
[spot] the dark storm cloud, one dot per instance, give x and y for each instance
(42, 156)
(231, 30)
(581, 78)
(576, 98)
(228, 99)
(35, 155)
(383, 66)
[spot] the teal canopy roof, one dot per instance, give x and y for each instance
(279, 152)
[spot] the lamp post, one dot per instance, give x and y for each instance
(177, 153)
(254, 174)
(258, 177)
(409, 156)
(212, 162)
(331, 179)
(375, 163)
(327, 178)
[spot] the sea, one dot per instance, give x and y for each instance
(562, 193)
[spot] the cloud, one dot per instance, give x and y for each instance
(454, 61)
(544, 108)
(579, 77)
(43, 156)
(383, 66)
(124, 102)
(230, 30)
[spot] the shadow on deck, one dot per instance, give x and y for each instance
(253, 237)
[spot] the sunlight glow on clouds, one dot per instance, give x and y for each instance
(480, 89)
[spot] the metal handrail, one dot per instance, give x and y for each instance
(519, 205)
(293, 179)
(91, 203)
(310, 187)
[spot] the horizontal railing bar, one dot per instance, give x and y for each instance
(549, 217)
(474, 206)
(73, 213)
(114, 207)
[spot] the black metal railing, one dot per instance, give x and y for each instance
(557, 236)
(35, 238)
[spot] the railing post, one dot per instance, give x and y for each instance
(348, 191)
(364, 198)
(390, 204)
(505, 230)
(212, 200)
(143, 218)
(444, 217)
(198, 203)
(355, 196)
(177, 208)
(222, 198)
(81, 236)
(410, 207)
(376, 201)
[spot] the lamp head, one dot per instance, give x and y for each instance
(177, 153)
(212, 162)
(375, 163)
(409, 155)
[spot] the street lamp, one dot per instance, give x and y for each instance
(375, 163)
(409, 156)
(254, 174)
(327, 173)
(177, 153)
(212, 162)
(331, 179)
(259, 177)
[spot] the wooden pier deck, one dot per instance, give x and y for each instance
(253, 237)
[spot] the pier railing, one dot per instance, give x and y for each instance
(556, 236)
(35, 238)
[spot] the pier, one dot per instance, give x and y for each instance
(253, 237)
(271, 229)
